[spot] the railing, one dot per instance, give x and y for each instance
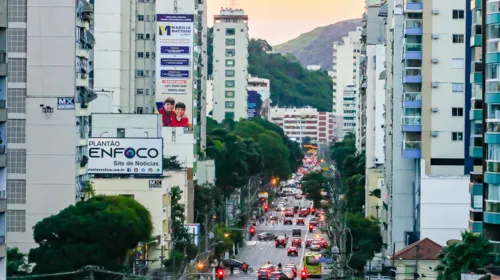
(412, 96)
(413, 47)
(494, 114)
(493, 166)
(413, 120)
(412, 145)
(412, 72)
(413, 23)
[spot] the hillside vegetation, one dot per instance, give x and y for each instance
(316, 47)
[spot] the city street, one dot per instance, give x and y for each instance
(257, 253)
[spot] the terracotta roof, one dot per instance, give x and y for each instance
(427, 250)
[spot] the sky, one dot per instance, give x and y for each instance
(278, 21)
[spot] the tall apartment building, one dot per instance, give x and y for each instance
(3, 136)
(425, 189)
(230, 63)
(48, 89)
(298, 123)
(346, 53)
(349, 109)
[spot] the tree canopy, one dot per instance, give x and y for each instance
(17, 263)
(98, 231)
(367, 239)
(313, 184)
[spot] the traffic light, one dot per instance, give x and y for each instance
(303, 275)
(220, 274)
(252, 231)
(266, 208)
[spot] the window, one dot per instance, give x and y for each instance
(230, 52)
(229, 73)
(120, 132)
(229, 62)
(458, 63)
(457, 136)
(16, 191)
(147, 54)
(139, 73)
(229, 104)
(16, 39)
(457, 87)
(140, 54)
(16, 221)
(230, 32)
(147, 36)
(139, 110)
(17, 70)
(230, 94)
(140, 17)
(16, 131)
(230, 83)
(458, 38)
(458, 14)
(139, 36)
(146, 91)
(140, 91)
(457, 112)
(16, 98)
(229, 115)
(16, 161)
(17, 10)
(229, 42)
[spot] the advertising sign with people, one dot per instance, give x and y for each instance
(174, 74)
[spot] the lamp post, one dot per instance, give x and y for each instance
(103, 134)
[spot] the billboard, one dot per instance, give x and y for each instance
(125, 156)
(253, 104)
(174, 69)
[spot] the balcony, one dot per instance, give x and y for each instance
(476, 114)
(412, 149)
(412, 100)
(411, 124)
(475, 226)
(3, 63)
(476, 40)
(492, 212)
(412, 51)
(412, 75)
(476, 152)
(413, 6)
(476, 77)
(413, 27)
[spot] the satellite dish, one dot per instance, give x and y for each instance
(452, 241)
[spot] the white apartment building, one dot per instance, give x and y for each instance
(424, 151)
(313, 67)
(298, 123)
(230, 63)
(345, 64)
(48, 96)
(349, 109)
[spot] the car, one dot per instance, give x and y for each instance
(293, 267)
(265, 272)
(266, 236)
(273, 218)
(296, 232)
(313, 211)
(308, 243)
(288, 221)
(297, 242)
(300, 222)
(281, 242)
(322, 242)
(281, 275)
(315, 246)
(298, 196)
(302, 213)
(289, 214)
(313, 222)
(231, 263)
(293, 251)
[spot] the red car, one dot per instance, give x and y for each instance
(300, 222)
(297, 242)
(309, 242)
(313, 210)
(293, 251)
(289, 214)
(323, 243)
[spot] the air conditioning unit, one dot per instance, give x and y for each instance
(435, 60)
(435, 84)
(435, 36)
(434, 133)
(435, 12)
(435, 109)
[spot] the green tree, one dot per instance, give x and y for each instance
(473, 252)
(366, 239)
(222, 241)
(355, 193)
(180, 233)
(313, 184)
(171, 163)
(17, 263)
(339, 151)
(98, 231)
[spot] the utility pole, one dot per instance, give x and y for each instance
(394, 259)
(415, 276)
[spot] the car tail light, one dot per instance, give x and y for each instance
(303, 273)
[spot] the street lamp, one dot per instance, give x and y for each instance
(103, 133)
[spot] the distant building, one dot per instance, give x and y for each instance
(418, 258)
(349, 109)
(313, 67)
(298, 123)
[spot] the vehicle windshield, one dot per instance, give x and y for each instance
(312, 261)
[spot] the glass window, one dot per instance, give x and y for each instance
(230, 62)
(230, 52)
(492, 71)
(492, 7)
(493, 192)
(493, 86)
(458, 38)
(140, 17)
(493, 46)
(229, 73)
(458, 63)
(230, 42)
(230, 83)
(457, 87)
(230, 32)
(458, 14)
(494, 152)
(229, 115)
(493, 31)
(457, 112)
(457, 136)
(230, 94)
(229, 104)
(413, 112)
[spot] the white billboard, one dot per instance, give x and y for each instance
(125, 156)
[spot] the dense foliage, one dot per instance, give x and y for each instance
(473, 252)
(312, 185)
(291, 83)
(366, 239)
(98, 231)
(17, 263)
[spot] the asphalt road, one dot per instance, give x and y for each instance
(257, 253)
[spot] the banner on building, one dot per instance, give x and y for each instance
(125, 156)
(174, 69)
(254, 103)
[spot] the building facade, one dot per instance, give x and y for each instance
(349, 109)
(299, 123)
(3, 136)
(48, 96)
(230, 63)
